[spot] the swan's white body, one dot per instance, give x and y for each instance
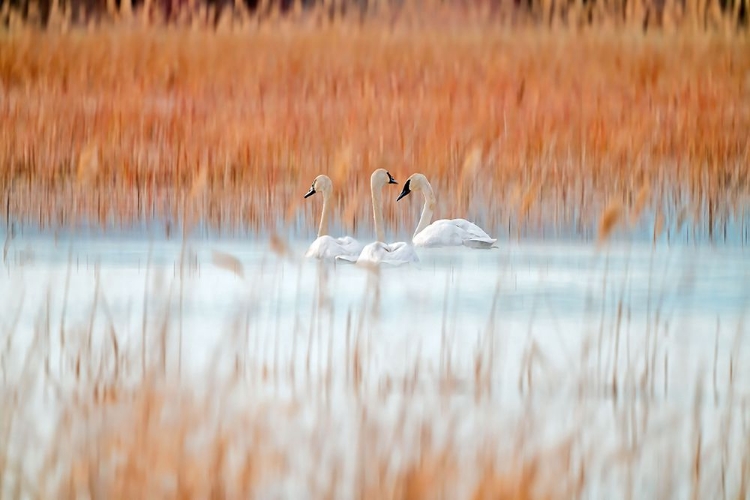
(443, 232)
(379, 252)
(453, 233)
(326, 247)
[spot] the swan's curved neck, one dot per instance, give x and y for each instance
(427, 209)
(323, 228)
(377, 210)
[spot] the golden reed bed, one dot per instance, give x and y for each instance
(528, 130)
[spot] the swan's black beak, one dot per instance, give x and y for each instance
(391, 180)
(311, 192)
(405, 191)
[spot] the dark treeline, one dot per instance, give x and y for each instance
(528, 10)
(86, 9)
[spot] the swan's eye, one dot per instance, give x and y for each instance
(391, 180)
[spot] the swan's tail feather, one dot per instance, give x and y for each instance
(347, 258)
(482, 244)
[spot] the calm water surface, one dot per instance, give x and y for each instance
(575, 319)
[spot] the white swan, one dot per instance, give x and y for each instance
(379, 252)
(443, 232)
(325, 246)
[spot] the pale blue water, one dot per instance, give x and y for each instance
(683, 309)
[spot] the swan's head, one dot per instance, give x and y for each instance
(381, 177)
(321, 184)
(417, 182)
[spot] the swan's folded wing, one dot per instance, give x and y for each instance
(453, 232)
(317, 248)
(394, 254)
(440, 234)
(327, 248)
(475, 236)
(373, 253)
(475, 231)
(401, 253)
(350, 245)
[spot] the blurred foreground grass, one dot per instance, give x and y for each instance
(105, 406)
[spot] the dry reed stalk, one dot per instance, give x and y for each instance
(520, 486)
(609, 220)
(531, 194)
(229, 262)
(641, 200)
(278, 245)
(658, 225)
(88, 165)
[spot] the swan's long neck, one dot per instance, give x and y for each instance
(427, 209)
(323, 228)
(377, 211)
